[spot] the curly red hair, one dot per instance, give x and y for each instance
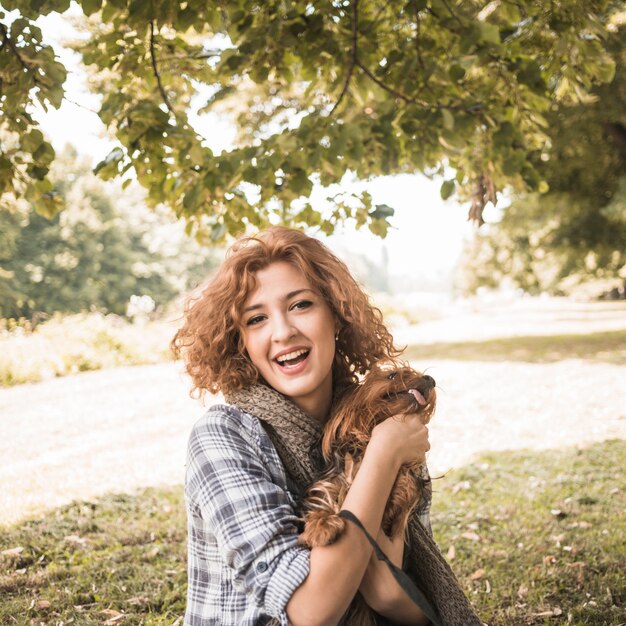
(211, 341)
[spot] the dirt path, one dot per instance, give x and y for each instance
(122, 429)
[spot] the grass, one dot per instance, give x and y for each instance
(606, 347)
(535, 538)
(78, 343)
(539, 538)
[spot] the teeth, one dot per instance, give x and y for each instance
(291, 355)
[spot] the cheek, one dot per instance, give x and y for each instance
(252, 348)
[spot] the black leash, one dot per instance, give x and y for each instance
(409, 587)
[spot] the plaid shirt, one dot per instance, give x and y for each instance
(244, 562)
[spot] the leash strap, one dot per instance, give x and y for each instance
(409, 587)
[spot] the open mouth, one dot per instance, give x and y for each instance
(292, 359)
(419, 398)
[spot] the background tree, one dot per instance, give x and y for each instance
(577, 231)
(99, 251)
(323, 89)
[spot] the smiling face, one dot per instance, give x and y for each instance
(288, 331)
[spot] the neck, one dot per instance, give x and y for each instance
(317, 405)
(315, 408)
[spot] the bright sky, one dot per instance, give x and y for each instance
(427, 233)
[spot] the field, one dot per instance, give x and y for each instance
(535, 538)
(529, 434)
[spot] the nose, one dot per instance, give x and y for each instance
(430, 380)
(282, 329)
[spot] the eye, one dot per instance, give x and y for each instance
(255, 320)
(392, 375)
(302, 304)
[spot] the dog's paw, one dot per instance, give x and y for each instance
(321, 529)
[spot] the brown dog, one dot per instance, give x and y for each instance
(384, 392)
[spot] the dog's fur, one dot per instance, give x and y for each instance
(384, 392)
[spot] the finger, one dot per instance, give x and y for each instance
(416, 416)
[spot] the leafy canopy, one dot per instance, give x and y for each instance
(575, 233)
(317, 89)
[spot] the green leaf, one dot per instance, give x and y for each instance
(447, 189)
(192, 197)
(448, 119)
(90, 6)
(111, 159)
(32, 140)
(489, 33)
(381, 211)
(456, 72)
(186, 18)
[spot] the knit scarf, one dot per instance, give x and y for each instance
(296, 436)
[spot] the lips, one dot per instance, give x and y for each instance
(291, 358)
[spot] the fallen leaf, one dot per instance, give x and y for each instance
(138, 600)
(472, 536)
(42, 604)
(555, 612)
(549, 559)
(451, 553)
(479, 573)
(522, 592)
(487, 587)
(13, 551)
(114, 616)
(76, 540)
(579, 568)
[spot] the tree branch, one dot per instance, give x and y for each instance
(452, 13)
(7, 40)
(82, 106)
(353, 55)
(485, 191)
(380, 83)
(155, 69)
(418, 37)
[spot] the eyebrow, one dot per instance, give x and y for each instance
(291, 294)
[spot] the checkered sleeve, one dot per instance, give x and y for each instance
(248, 509)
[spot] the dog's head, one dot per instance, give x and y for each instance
(386, 390)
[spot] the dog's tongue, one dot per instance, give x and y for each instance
(418, 396)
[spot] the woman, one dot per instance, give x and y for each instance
(282, 330)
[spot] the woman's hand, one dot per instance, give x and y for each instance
(380, 589)
(404, 436)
